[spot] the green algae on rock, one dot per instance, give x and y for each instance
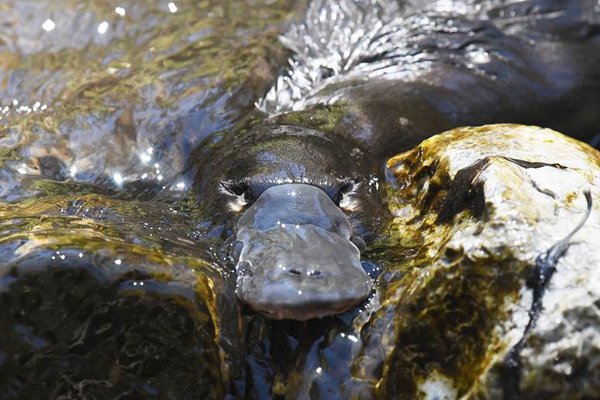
(478, 206)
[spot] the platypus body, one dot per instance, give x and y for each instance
(301, 202)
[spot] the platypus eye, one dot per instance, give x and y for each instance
(346, 188)
(241, 192)
(236, 188)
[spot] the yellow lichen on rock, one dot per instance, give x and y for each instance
(477, 207)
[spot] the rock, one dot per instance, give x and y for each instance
(474, 209)
(101, 298)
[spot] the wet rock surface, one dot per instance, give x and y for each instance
(480, 207)
(94, 308)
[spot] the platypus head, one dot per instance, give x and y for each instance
(296, 259)
(298, 199)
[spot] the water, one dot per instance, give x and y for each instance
(113, 94)
(114, 283)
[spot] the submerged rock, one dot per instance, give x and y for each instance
(478, 210)
(102, 298)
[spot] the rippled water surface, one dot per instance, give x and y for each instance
(117, 94)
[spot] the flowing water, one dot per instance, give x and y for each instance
(114, 283)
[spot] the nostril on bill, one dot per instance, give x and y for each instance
(294, 272)
(314, 272)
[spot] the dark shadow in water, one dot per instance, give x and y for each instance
(83, 329)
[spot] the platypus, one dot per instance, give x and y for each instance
(302, 198)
